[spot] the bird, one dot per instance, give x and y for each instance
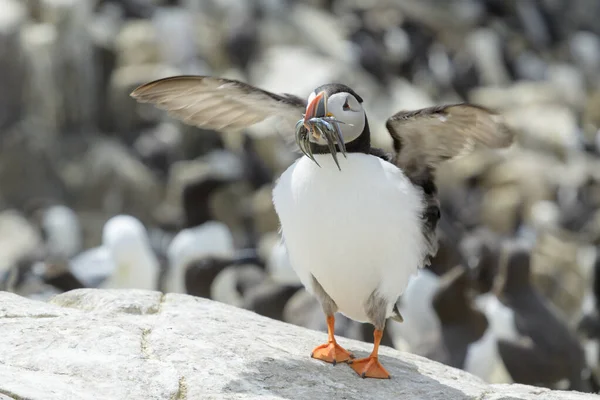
(62, 230)
(136, 265)
(206, 249)
(269, 298)
(416, 306)
(356, 226)
(203, 269)
(521, 318)
(467, 340)
(57, 273)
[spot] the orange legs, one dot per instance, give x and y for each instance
(370, 367)
(331, 351)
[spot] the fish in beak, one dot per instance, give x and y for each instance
(321, 124)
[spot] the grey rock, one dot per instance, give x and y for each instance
(140, 345)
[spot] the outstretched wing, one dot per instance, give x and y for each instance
(218, 103)
(425, 138)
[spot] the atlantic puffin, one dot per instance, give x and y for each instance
(357, 221)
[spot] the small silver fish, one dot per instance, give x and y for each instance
(327, 127)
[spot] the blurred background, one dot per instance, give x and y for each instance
(97, 190)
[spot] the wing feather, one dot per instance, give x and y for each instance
(218, 103)
(425, 138)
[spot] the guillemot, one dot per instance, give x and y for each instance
(356, 227)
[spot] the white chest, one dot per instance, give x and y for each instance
(356, 230)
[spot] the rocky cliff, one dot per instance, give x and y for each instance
(128, 344)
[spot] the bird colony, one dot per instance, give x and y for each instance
(422, 174)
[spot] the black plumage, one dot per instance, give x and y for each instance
(538, 358)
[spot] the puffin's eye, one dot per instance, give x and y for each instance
(346, 106)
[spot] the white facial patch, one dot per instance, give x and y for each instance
(346, 108)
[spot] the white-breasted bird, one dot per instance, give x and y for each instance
(136, 265)
(356, 227)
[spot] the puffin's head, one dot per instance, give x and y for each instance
(334, 117)
(340, 103)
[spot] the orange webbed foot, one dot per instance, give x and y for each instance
(369, 368)
(332, 353)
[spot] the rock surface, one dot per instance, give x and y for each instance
(100, 344)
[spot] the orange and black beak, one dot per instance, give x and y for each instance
(317, 108)
(319, 124)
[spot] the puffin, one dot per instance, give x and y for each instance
(358, 221)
